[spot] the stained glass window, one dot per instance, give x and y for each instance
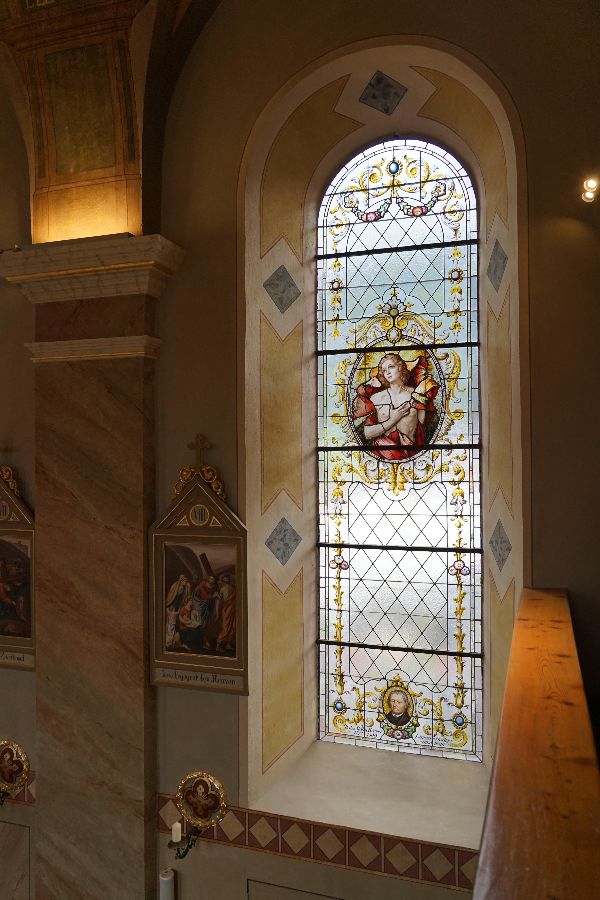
(399, 454)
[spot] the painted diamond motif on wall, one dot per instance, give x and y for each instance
(500, 545)
(400, 858)
(170, 814)
(364, 851)
(329, 844)
(470, 869)
(232, 826)
(283, 540)
(383, 93)
(438, 864)
(295, 838)
(282, 289)
(497, 265)
(263, 832)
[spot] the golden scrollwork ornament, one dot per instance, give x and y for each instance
(202, 801)
(10, 479)
(208, 473)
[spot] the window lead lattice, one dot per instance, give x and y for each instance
(398, 450)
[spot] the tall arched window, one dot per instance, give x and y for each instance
(399, 454)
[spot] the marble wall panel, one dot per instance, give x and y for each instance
(68, 320)
(96, 732)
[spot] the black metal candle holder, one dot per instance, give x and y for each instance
(202, 802)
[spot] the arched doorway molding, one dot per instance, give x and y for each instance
(306, 133)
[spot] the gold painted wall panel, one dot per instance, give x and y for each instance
(502, 621)
(289, 167)
(82, 109)
(84, 210)
(499, 424)
(460, 109)
(281, 413)
(283, 668)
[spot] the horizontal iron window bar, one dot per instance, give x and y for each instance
(393, 182)
(358, 646)
(338, 546)
(324, 448)
(394, 348)
(438, 245)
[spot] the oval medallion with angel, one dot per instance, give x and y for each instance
(396, 401)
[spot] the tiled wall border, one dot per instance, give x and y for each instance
(383, 854)
(364, 851)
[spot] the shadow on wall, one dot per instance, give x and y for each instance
(15, 222)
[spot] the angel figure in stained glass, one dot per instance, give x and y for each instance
(394, 408)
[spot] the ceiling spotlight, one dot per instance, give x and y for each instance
(588, 196)
(590, 184)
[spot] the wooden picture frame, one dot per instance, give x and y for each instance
(198, 589)
(17, 550)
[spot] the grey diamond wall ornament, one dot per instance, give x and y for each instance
(500, 545)
(497, 265)
(283, 540)
(282, 289)
(383, 93)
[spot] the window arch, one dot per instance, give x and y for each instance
(306, 135)
(399, 453)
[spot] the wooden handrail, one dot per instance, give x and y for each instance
(541, 838)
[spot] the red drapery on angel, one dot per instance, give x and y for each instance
(395, 445)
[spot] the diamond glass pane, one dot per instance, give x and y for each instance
(398, 454)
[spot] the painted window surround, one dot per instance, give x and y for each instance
(306, 133)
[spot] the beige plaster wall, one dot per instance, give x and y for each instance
(244, 56)
(309, 131)
(212, 870)
(14, 851)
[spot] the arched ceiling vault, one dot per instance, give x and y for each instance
(82, 96)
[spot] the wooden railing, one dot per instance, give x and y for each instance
(541, 838)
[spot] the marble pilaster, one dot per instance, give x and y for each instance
(94, 355)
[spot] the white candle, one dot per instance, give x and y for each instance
(167, 885)
(176, 832)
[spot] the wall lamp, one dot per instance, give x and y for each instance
(590, 186)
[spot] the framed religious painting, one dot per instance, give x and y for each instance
(16, 575)
(198, 588)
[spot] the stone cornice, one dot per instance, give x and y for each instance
(95, 348)
(111, 266)
(58, 21)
